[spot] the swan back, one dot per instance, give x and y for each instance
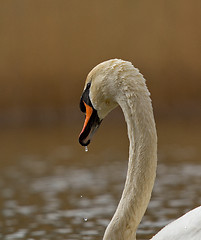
(187, 227)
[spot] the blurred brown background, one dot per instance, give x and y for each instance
(49, 185)
(47, 47)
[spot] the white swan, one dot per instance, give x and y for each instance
(117, 82)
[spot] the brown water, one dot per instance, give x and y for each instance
(52, 189)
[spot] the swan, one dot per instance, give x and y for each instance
(117, 82)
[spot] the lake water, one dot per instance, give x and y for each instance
(52, 189)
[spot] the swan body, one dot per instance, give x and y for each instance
(187, 227)
(112, 83)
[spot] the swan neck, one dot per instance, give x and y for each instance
(141, 167)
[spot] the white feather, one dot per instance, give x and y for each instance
(117, 82)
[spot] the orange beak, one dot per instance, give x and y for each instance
(92, 121)
(91, 124)
(89, 111)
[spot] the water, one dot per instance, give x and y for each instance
(51, 190)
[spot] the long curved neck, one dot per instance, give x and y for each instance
(142, 164)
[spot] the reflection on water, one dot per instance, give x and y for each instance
(52, 189)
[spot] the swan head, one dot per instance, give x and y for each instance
(98, 97)
(109, 84)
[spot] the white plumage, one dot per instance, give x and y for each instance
(117, 82)
(187, 227)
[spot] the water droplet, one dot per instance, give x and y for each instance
(86, 149)
(85, 219)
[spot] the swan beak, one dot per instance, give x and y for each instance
(91, 124)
